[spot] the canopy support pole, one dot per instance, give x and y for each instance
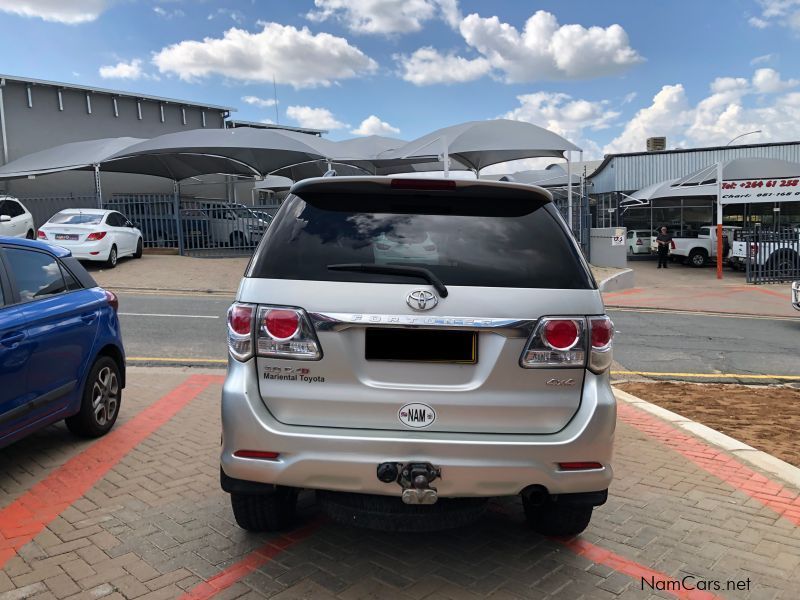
(719, 220)
(445, 157)
(176, 203)
(98, 190)
(569, 192)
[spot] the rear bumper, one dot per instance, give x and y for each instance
(90, 250)
(476, 465)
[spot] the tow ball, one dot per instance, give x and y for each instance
(415, 478)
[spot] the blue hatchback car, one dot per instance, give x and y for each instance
(61, 354)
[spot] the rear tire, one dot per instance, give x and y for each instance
(551, 518)
(389, 513)
(265, 512)
(139, 249)
(697, 258)
(111, 262)
(30, 235)
(102, 396)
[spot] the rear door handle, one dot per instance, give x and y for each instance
(12, 338)
(88, 317)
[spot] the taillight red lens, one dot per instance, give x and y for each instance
(239, 318)
(113, 301)
(281, 324)
(560, 334)
(41, 235)
(602, 332)
(259, 454)
(579, 466)
(97, 235)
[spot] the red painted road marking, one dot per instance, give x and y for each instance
(717, 462)
(25, 518)
(257, 558)
(623, 293)
(634, 570)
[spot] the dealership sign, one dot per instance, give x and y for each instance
(761, 190)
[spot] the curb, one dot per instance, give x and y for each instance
(775, 466)
(169, 291)
(618, 281)
(709, 313)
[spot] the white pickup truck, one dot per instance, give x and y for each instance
(779, 252)
(697, 251)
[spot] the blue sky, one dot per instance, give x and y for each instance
(604, 74)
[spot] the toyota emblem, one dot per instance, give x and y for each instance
(422, 300)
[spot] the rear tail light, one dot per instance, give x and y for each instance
(579, 466)
(97, 235)
(284, 332)
(41, 235)
(556, 342)
(601, 339)
(112, 299)
(753, 250)
(564, 341)
(240, 330)
(257, 454)
(639, 242)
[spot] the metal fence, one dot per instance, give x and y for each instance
(581, 217)
(771, 256)
(44, 207)
(193, 226)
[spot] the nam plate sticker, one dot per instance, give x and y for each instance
(416, 415)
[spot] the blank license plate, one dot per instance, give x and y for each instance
(421, 345)
(66, 236)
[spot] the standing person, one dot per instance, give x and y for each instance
(664, 241)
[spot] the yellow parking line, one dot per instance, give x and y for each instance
(215, 361)
(708, 375)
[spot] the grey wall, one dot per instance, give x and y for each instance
(603, 254)
(43, 125)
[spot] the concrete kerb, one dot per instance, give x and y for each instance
(618, 281)
(775, 466)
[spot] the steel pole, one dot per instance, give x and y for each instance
(569, 193)
(719, 220)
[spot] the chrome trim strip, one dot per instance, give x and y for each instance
(510, 328)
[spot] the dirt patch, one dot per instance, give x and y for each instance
(766, 418)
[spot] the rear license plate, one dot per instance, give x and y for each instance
(421, 345)
(66, 236)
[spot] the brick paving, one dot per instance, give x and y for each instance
(154, 524)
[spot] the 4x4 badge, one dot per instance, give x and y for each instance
(422, 300)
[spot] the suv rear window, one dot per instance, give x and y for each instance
(465, 241)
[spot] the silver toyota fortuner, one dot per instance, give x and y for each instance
(412, 348)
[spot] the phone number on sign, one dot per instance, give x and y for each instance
(760, 183)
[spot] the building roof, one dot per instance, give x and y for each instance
(233, 123)
(96, 90)
(609, 157)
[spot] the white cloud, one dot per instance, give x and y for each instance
(60, 11)
(372, 125)
(234, 15)
(385, 17)
(727, 111)
(294, 56)
(629, 97)
(768, 81)
(168, 14)
(427, 66)
(785, 13)
(123, 70)
(259, 102)
(544, 49)
(314, 118)
(764, 58)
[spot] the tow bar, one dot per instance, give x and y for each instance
(415, 478)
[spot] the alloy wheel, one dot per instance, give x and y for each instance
(105, 396)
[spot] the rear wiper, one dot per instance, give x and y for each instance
(420, 272)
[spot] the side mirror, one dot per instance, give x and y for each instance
(5, 218)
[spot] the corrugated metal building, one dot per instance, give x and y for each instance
(621, 174)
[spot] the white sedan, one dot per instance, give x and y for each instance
(93, 234)
(15, 219)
